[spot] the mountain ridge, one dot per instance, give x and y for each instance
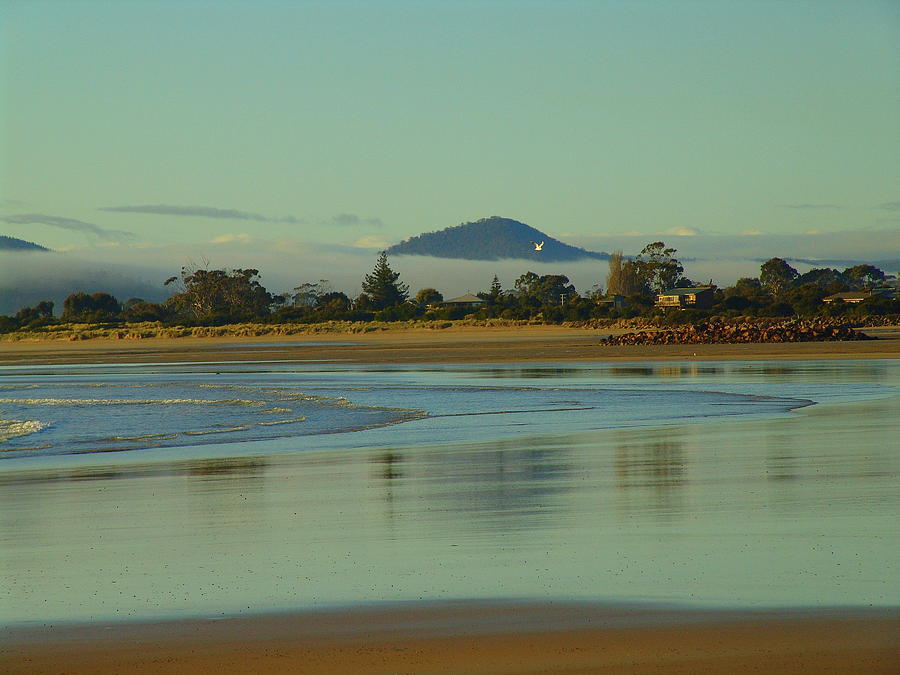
(14, 244)
(493, 238)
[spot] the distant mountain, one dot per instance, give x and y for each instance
(13, 244)
(492, 238)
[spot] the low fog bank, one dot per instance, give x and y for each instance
(816, 249)
(28, 278)
(139, 271)
(132, 271)
(722, 259)
(455, 277)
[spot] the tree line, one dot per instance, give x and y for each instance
(218, 296)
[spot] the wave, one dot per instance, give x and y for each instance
(514, 412)
(130, 401)
(302, 418)
(84, 422)
(113, 385)
(143, 437)
(26, 448)
(15, 428)
(283, 394)
(205, 432)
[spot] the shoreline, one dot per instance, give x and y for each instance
(452, 345)
(460, 637)
(474, 637)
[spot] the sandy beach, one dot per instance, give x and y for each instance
(460, 637)
(458, 344)
(463, 638)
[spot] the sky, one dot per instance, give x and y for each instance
(309, 135)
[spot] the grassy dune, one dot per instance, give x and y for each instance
(74, 332)
(154, 329)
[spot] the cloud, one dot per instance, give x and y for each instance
(193, 211)
(353, 220)
(371, 242)
(203, 212)
(241, 237)
(682, 231)
(69, 224)
(809, 206)
(752, 233)
(814, 231)
(889, 206)
(340, 220)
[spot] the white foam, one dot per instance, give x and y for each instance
(14, 428)
(144, 437)
(129, 401)
(302, 418)
(242, 427)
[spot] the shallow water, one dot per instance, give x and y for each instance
(715, 484)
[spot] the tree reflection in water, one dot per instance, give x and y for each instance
(227, 493)
(503, 485)
(650, 475)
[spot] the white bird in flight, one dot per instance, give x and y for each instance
(537, 246)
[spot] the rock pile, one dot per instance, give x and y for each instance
(724, 332)
(877, 320)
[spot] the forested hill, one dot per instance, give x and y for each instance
(492, 238)
(13, 244)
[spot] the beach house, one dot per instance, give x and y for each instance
(696, 297)
(467, 300)
(855, 297)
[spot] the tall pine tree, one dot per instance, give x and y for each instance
(382, 288)
(496, 289)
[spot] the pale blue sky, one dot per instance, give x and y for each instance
(340, 122)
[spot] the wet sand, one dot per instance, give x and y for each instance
(453, 637)
(463, 638)
(452, 345)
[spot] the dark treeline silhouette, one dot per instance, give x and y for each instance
(212, 297)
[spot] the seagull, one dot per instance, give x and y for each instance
(537, 246)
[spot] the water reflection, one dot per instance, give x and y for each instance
(532, 373)
(782, 461)
(227, 467)
(501, 485)
(388, 465)
(799, 509)
(656, 464)
(387, 470)
(96, 475)
(870, 372)
(650, 476)
(632, 371)
(782, 467)
(818, 371)
(206, 468)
